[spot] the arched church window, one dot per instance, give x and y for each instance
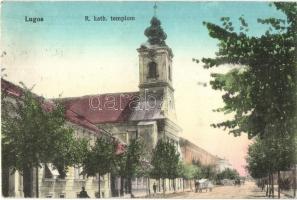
(152, 70)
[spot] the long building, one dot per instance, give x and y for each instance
(193, 153)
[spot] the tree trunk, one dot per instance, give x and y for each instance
(149, 186)
(130, 186)
(163, 184)
(278, 183)
(5, 181)
(267, 186)
(269, 183)
(183, 184)
(159, 184)
(27, 182)
(174, 184)
(272, 179)
(122, 186)
(37, 183)
(294, 181)
(99, 186)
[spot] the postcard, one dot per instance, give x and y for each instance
(148, 99)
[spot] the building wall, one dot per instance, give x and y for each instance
(223, 164)
(68, 187)
(71, 185)
(192, 152)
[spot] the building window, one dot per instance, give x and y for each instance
(62, 196)
(152, 69)
(50, 171)
(77, 173)
(49, 196)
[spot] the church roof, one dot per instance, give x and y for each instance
(151, 109)
(102, 108)
(116, 107)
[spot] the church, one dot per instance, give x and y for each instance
(148, 113)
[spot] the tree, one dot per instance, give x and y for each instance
(189, 172)
(268, 156)
(208, 171)
(75, 150)
(100, 159)
(33, 132)
(261, 89)
(134, 156)
(228, 174)
(165, 162)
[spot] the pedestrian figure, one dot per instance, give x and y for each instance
(155, 188)
(196, 186)
(83, 193)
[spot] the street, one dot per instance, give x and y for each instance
(248, 191)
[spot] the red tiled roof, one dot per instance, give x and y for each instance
(10, 88)
(48, 105)
(116, 107)
(104, 108)
(80, 120)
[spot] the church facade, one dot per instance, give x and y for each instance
(148, 113)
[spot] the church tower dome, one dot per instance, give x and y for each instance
(155, 67)
(155, 58)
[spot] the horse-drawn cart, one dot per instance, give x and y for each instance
(203, 184)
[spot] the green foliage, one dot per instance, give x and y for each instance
(131, 162)
(33, 134)
(165, 161)
(134, 157)
(228, 174)
(270, 155)
(190, 171)
(208, 171)
(261, 89)
(100, 159)
(75, 150)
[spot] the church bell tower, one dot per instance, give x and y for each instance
(155, 67)
(155, 58)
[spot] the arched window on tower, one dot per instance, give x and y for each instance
(152, 70)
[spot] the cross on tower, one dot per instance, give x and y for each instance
(155, 9)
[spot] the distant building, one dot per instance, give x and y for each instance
(192, 153)
(223, 164)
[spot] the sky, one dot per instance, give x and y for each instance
(66, 55)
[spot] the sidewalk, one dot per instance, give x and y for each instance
(288, 193)
(167, 195)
